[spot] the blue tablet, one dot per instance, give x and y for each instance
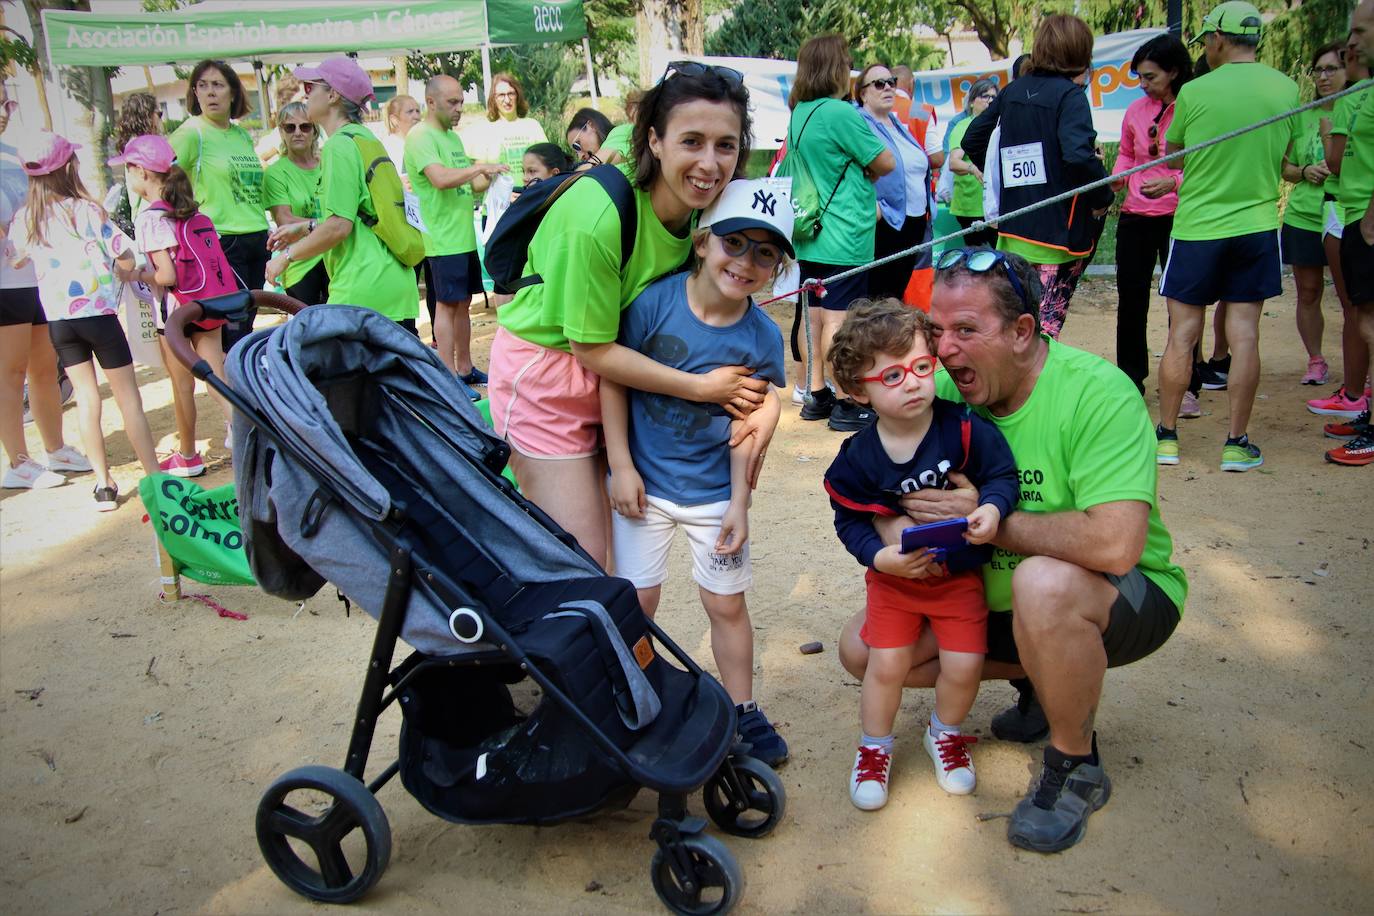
(938, 536)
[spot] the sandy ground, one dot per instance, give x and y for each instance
(136, 736)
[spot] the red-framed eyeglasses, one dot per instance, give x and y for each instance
(893, 376)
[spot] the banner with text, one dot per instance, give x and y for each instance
(198, 528)
(1111, 89)
(523, 22)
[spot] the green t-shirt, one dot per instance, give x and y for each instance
(1082, 439)
(618, 141)
(1036, 254)
(447, 212)
(226, 174)
(362, 270)
(576, 250)
(836, 140)
(968, 190)
(285, 183)
(1232, 188)
(1341, 120)
(1304, 209)
(1357, 165)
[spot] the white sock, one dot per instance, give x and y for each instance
(884, 743)
(938, 728)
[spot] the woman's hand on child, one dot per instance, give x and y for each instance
(627, 493)
(734, 529)
(928, 504)
(982, 524)
(919, 564)
(734, 388)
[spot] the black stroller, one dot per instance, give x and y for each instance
(360, 461)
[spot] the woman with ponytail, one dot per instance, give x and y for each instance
(166, 189)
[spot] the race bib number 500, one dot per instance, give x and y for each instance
(1023, 165)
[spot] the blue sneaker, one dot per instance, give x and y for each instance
(1054, 814)
(475, 377)
(763, 739)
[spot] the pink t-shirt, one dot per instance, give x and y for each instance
(1141, 115)
(74, 262)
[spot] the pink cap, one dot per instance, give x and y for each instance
(46, 153)
(151, 151)
(343, 75)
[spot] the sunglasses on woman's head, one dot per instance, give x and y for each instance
(303, 128)
(890, 83)
(980, 261)
(693, 68)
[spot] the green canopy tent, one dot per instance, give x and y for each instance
(310, 29)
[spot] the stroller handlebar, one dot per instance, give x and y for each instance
(234, 307)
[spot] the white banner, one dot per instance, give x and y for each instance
(1112, 87)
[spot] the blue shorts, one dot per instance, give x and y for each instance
(454, 277)
(1243, 268)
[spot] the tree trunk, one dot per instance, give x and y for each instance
(673, 25)
(41, 74)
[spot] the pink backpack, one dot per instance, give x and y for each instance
(202, 269)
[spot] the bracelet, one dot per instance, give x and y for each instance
(287, 252)
(311, 227)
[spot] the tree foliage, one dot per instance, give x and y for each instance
(877, 30)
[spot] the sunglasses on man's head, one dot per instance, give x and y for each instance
(890, 83)
(980, 261)
(303, 128)
(694, 68)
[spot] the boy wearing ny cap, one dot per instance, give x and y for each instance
(362, 270)
(670, 460)
(1225, 243)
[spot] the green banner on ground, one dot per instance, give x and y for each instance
(198, 528)
(262, 31)
(523, 22)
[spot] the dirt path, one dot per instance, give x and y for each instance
(136, 738)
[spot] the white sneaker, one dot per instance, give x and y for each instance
(868, 779)
(31, 475)
(68, 459)
(953, 767)
(799, 396)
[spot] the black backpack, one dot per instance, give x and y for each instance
(508, 248)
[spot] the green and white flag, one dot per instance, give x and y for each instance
(198, 528)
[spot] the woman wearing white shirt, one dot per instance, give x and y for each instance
(402, 113)
(904, 200)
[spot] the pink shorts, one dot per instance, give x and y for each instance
(543, 402)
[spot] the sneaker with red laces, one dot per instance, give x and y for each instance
(953, 767)
(178, 465)
(868, 779)
(1347, 429)
(1317, 371)
(1356, 453)
(1339, 405)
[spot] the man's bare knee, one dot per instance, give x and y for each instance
(1044, 591)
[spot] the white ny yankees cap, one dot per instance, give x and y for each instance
(756, 203)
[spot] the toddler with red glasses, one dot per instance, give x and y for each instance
(883, 357)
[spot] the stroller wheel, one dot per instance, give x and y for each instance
(325, 827)
(749, 805)
(712, 882)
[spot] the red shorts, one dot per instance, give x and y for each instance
(954, 605)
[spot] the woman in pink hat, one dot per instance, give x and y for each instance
(74, 247)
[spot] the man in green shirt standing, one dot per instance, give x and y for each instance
(1357, 238)
(1225, 241)
(362, 269)
(444, 178)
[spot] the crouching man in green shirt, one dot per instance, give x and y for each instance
(362, 270)
(1081, 579)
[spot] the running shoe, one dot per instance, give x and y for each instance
(106, 499)
(1338, 404)
(1025, 721)
(1317, 371)
(1214, 373)
(819, 406)
(178, 465)
(1190, 409)
(1347, 429)
(799, 393)
(475, 377)
(868, 779)
(1356, 453)
(1054, 813)
(953, 766)
(30, 475)
(850, 416)
(1240, 455)
(763, 739)
(1166, 446)
(68, 459)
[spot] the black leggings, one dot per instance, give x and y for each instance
(248, 256)
(313, 288)
(892, 279)
(1141, 243)
(986, 237)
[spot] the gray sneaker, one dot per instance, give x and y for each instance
(1054, 814)
(1024, 722)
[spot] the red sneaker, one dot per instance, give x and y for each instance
(1347, 429)
(1355, 453)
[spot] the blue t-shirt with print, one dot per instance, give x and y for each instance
(681, 448)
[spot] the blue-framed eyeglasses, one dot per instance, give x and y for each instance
(982, 260)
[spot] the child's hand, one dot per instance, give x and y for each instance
(982, 524)
(627, 493)
(124, 274)
(919, 564)
(734, 529)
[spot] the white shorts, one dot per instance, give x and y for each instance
(1333, 225)
(640, 546)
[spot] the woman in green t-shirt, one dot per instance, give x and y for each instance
(967, 203)
(557, 338)
(291, 193)
(1300, 239)
(226, 174)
